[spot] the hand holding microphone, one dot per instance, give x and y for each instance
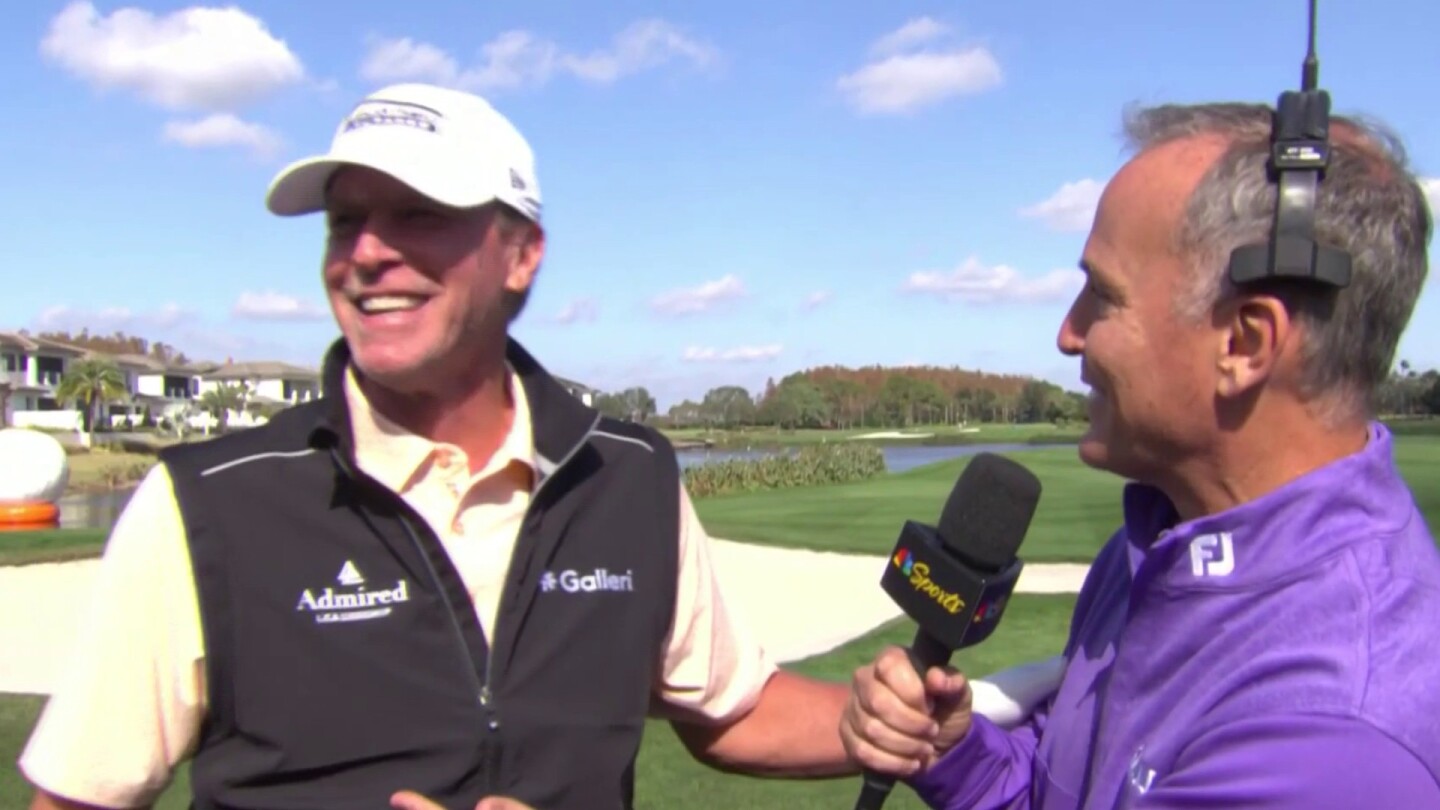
(954, 581)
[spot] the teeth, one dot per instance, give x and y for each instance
(389, 303)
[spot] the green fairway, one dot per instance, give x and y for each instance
(1034, 628)
(1079, 508)
(49, 545)
(1418, 455)
(1078, 511)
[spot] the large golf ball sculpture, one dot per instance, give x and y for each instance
(33, 474)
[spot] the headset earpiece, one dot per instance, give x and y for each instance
(1299, 156)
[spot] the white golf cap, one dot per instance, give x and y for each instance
(451, 146)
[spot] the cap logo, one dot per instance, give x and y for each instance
(391, 113)
(516, 181)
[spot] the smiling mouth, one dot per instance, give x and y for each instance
(381, 304)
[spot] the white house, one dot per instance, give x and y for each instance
(266, 382)
(30, 371)
(162, 389)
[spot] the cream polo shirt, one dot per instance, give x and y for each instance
(128, 706)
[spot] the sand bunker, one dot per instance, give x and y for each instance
(799, 603)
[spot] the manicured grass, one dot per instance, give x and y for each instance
(1418, 455)
(50, 545)
(1034, 627)
(1414, 426)
(1079, 508)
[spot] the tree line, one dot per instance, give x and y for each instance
(868, 397)
(1410, 392)
(116, 342)
(878, 397)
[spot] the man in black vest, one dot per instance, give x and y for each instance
(446, 574)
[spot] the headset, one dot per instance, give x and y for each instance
(1299, 156)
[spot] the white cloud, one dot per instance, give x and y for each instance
(816, 300)
(224, 130)
(1431, 185)
(903, 79)
(976, 283)
(404, 59)
(1071, 208)
(274, 306)
(738, 354)
(519, 58)
(915, 32)
(195, 58)
(702, 298)
(577, 311)
(63, 317)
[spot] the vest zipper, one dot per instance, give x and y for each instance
(481, 690)
(482, 693)
(486, 698)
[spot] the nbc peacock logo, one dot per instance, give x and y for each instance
(904, 561)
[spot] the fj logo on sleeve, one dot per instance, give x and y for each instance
(1212, 555)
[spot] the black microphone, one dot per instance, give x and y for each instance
(955, 581)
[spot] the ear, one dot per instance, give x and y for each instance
(529, 250)
(1254, 330)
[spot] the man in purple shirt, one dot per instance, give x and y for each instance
(1262, 631)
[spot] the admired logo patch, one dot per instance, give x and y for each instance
(600, 579)
(352, 601)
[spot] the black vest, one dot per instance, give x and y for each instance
(344, 658)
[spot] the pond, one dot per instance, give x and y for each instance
(898, 457)
(99, 510)
(92, 510)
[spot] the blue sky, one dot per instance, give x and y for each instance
(733, 191)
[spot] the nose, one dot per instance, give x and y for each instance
(370, 250)
(1070, 340)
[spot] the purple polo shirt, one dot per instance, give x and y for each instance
(1282, 654)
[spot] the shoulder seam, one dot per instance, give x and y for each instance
(225, 465)
(621, 438)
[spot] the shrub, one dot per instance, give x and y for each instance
(813, 465)
(122, 474)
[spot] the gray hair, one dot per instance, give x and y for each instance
(518, 229)
(1369, 204)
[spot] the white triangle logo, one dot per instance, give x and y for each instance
(350, 575)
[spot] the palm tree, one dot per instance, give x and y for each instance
(91, 382)
(222, 399)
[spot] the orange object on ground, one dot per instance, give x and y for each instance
(29, 515)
